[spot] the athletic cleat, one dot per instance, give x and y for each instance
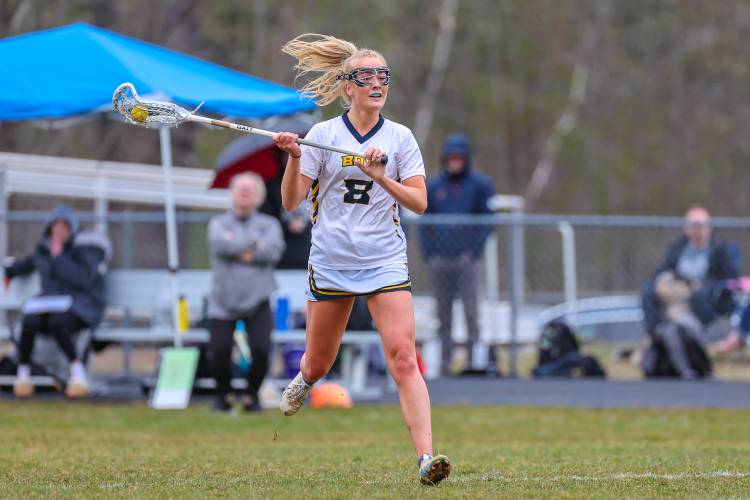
(294, 395)
(23, 388)
(432, 470)
(459, 361)
(77, 389)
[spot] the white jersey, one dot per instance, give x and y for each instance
(355, 221)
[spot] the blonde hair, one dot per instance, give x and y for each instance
(260, 186)
(330, 56)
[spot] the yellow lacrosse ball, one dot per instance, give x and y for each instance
(139, 114)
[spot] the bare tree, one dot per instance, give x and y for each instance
(440, 59)
(568, 119)
(260, 33)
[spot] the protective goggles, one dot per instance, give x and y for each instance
(364, 77)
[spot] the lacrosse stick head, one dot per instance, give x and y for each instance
(144, 113)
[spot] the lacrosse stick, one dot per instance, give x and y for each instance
(144, 113)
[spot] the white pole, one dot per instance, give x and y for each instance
(516, 278)
(492, 275)
(173, 258)
(3, 217)
(569, 267)
(3, 228)
(491, 271)
(101, 204)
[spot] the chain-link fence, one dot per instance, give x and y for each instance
(611, 254)
(491, 275)
(138, 239)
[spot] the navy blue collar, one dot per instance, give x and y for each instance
(362, 138)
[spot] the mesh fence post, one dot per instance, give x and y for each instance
(3, 229)
(3, 218)
(492, 273)
(515, 282)
(570, 283)
(169, 211)
(127, 239)
(101, 203)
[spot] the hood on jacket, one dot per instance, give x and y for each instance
(456, 144)
(62, 212)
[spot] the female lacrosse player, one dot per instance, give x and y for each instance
(358, 246)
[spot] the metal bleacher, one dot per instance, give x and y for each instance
(107, 180)
(134, 300)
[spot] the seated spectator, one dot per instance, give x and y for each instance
(739, 336)
(297, 236)
(702, 261)
(245, 246)
(678, 345)
(71, 266)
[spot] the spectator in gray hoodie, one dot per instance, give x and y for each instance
(244, 245)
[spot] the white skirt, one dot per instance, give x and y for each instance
(329, 284)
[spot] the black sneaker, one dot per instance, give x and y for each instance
(251, 404)
(221, 405)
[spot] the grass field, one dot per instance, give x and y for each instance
(73, 450)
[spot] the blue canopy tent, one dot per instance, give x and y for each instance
(73, 70)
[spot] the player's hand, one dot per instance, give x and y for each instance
(56, 246)
(247, 256)
(297, 225)
(6, 281)
(287, 142)
(373, 167)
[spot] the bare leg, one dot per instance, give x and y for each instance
(326, 322)
(394, 317)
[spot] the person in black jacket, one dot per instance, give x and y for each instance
(71, 265)
(297, 236)
(704, 262)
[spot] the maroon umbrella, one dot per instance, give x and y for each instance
(252, 153)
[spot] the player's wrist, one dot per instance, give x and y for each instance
(382, 179)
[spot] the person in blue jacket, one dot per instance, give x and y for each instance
(453, 251)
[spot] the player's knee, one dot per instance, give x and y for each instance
(31, 323)
(314, 370)
(220, 354)
(57, 324)
(262, 356)
(403, 362)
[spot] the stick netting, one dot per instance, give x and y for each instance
(138, 112)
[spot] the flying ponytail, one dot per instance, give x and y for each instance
(329, 56)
